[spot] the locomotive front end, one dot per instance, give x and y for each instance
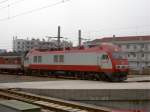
(119, 61)
(120, 65)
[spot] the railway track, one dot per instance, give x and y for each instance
(76, 78)
(56, 77)
(52, 104)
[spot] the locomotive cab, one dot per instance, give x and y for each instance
(105, 61)
(114, 63)
(121, 63)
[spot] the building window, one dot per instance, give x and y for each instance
(146, 47)
(134, 47)
(128, 46)
(35, 59)
(61, 58)
(142, 46)
(134, 55)
(119, 46)
(142, 55)
(128, 55)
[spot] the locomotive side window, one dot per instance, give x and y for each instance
(61, 58)
(35, 59)
(105, 57)
(55, 58)
(39, 59)
(58, 58)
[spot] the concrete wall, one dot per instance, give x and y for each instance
(123, 99)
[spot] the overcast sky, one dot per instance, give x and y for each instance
(96, 18)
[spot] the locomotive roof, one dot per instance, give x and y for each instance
(101, 48)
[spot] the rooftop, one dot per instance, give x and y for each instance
(124, 38)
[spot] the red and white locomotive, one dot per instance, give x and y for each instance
(103, 62)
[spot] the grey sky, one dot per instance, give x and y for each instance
(96, 18)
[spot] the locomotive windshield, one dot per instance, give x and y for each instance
(117, 55)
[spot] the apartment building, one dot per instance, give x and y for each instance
(135, 48)
(21, 45)
(3, 50)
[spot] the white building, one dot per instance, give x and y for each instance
(3, 50)
(135, 48)
(21, 45)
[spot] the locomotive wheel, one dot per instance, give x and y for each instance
(104, 77)
(51, 74)
(97, 76)
(117, 78)
(81, 75)
(88, 76)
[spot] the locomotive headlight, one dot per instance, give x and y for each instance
(121, 66)
(117, 66)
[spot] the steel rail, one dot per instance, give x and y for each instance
(53, 104)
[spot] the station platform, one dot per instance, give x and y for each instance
(124, 95)
(77, 84)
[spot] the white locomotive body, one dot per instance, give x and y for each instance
(96, 62)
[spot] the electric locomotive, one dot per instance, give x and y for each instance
(104, 62)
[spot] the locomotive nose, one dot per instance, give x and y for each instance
(122, 66)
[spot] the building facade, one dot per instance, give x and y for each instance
(135, 48)
(3, 50)
(22, 45)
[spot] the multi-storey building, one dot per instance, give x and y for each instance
(135, 48)
(21, 45)
(3, 50)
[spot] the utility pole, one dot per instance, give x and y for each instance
(79, 36)
(58, 37)
(114, 39)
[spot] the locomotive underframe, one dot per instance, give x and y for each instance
(113, 77)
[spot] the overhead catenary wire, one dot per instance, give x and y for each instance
(10, 4)
(1, 2)
(34, 10)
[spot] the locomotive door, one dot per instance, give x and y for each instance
(104, 62)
